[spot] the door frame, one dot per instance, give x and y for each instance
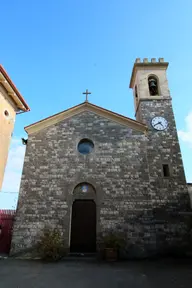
(96, 195)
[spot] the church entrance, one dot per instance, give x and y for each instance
(83, 226)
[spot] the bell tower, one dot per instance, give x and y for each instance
(149, 83)
(153, 106)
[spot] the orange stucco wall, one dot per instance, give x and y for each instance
(6, 129)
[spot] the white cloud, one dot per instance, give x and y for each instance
(14, 166)
(186, 136)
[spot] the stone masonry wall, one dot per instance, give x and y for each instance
(163, 148)
(125, 168)
(168, 195)
(117, 169)
(190, 191)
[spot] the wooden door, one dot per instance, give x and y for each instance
(83, 226)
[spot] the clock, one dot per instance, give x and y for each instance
(159, 123)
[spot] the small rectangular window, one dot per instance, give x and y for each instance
(166, 171)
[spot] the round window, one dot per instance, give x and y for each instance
(85, 146)
(6, 113)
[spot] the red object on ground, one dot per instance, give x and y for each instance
(6, 225)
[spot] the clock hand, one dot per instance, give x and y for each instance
(158, 123)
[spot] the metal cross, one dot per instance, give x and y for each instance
(86, 93)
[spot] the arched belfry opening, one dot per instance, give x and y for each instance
(153, 85)
(83, 219)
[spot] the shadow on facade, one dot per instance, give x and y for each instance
(165, 230)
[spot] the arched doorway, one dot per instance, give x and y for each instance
(83, 220)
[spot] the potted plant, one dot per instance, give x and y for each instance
(112, 243)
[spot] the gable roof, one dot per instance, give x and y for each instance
(12, 90)
(85, 106)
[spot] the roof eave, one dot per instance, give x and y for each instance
(85, 106)
(13, 91)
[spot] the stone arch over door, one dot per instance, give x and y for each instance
(84, 190)
(83, 219)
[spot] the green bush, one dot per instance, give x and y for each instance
(51, 246)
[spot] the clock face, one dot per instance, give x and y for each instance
(159, 123)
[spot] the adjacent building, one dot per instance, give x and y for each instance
(11, 104)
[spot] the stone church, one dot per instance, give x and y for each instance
(88, 170)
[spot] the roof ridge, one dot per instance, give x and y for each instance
(84, 106)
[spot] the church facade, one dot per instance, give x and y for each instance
(88, 170)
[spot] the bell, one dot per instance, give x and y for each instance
(153, 86)
(152, 83)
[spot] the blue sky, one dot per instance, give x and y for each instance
(54, 50)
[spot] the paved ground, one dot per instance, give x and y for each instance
(135, 274)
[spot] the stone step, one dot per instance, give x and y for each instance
(81, 257)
